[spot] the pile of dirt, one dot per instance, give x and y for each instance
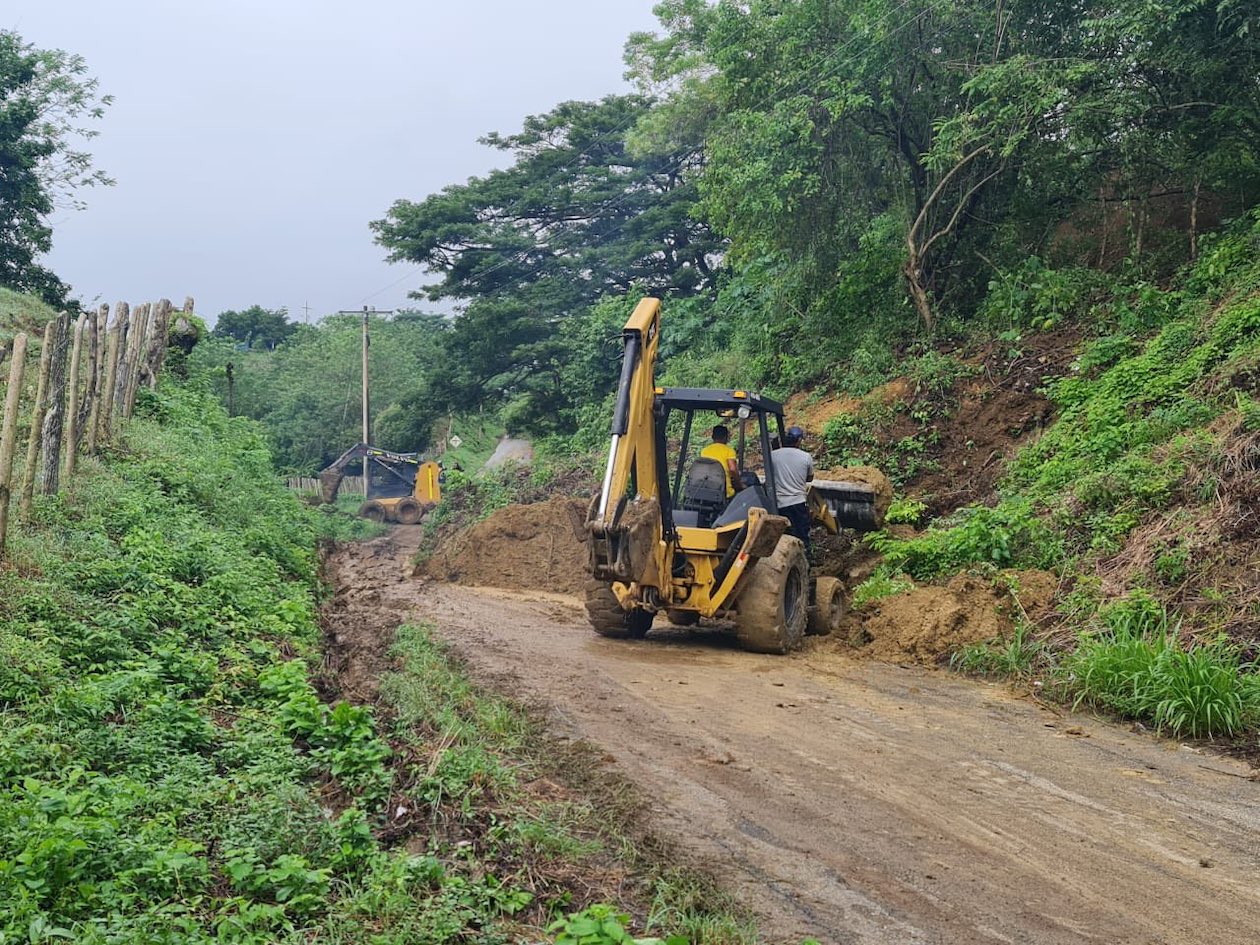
(530, 547)
(927, 624)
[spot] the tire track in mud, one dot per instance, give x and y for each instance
(859, 802)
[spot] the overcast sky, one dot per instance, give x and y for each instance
(253, 140)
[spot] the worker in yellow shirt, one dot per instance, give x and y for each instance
(720, 449)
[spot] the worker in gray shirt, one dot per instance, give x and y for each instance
(793, 468)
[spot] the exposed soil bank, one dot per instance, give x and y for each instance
(520, 546)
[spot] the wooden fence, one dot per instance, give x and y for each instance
(309, 485)
(89, 372)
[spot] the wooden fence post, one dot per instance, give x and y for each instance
(126, 322)
(8, 432)
(113, 369)
(73, 400)
(158, 337)
(55, 414)
(135, 360)
(100, 339)
(37, 420)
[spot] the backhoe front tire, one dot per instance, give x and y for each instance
(409, 512)
(607, 617)
(773, 607)
(829, 607)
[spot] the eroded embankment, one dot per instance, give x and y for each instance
(535, 548)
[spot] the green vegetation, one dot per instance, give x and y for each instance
(170, 772)
(46, 100)
(885, 582)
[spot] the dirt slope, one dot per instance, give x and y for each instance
(531, 545)
(859, 802)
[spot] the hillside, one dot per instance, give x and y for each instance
(178, 758)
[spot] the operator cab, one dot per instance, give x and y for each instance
(387, 479)
(696, 485)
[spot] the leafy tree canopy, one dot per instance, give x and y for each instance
(577, 216)
(46, 98)
(256, 327)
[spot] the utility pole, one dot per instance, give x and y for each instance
(367, 409)
(367, 405)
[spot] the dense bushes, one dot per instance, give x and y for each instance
(161, 739)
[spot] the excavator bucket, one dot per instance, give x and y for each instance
(329, 484)
(843, 504)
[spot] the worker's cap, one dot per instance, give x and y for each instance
(794, 434)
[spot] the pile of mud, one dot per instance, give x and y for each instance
(927, 624)
(528, 547)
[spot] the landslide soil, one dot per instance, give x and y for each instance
(860, 802)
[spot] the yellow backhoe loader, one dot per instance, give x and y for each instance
(664, 537)
(399, 487)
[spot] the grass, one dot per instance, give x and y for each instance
(19, 312)
(1136, 664)
(169, 772)
(1191, 689)
(477, 761)
(1016, 657)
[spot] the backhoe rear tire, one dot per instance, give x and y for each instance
(829, 607)
(373, 512)
(409, 512)
(607, 617)
(774, 605)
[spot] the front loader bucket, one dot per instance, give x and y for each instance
(853, 505)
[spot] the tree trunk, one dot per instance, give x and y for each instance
(918, 293)
(73, 399)
(100, 338)
(55, 415)
(37, 420)
(8, 432)
(119, 387)
(1194, 220)
(158, 335)
(136, 362)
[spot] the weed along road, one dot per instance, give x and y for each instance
(864, 802)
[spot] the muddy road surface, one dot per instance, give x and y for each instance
(860, 802)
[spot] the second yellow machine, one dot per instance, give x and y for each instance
(398, 487)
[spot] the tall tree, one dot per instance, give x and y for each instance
(46, 96)
(576, 217)
(255, 327)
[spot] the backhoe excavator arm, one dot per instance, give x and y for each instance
(331, 476)
(625, 537)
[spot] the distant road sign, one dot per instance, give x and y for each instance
(456, 442)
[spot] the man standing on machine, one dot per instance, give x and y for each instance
(793, 469)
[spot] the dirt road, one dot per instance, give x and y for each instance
(859, 802)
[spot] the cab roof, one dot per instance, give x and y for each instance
(700, 398)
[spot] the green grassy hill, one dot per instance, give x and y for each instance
(1142, 498)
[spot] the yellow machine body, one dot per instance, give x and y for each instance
(649, 551)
